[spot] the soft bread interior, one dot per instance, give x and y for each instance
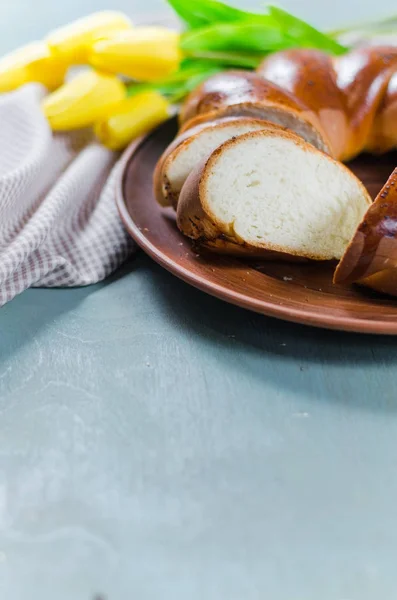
(272, 190)
(198, 146)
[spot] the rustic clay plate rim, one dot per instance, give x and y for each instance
(351, 322)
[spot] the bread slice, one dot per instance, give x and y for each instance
(371, 256)
(191, 147)
(270, 191)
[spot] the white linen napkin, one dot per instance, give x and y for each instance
(59, 224)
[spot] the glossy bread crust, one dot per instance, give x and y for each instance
(243, 92)
(309, 76)
(354, 95)
(235, 87)
(373, 249)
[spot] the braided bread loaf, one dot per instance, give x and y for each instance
(343, 106)
(351, 100)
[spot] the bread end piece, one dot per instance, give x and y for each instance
(371, 256)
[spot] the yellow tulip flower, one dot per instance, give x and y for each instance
(33, 62)
(132, 118)
(87, 98)
(142, 53)
(74, 41)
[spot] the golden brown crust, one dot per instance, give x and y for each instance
(222, 245)
(383, 134)
(235, 87)
(363, 76)
(309, 76)
(352, 95)
(158, 189)
(191, 219)
(373, 248)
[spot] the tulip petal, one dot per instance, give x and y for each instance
(88, 97)
(33, 62)
(73, 42)
(143, 53)
(134, 117)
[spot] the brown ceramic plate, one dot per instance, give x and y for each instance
(303, 293)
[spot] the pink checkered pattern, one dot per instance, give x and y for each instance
(59, 226)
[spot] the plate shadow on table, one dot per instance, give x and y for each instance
(300, 348)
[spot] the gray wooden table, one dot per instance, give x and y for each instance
(157, 444)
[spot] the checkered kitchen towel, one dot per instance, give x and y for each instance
(59, 225)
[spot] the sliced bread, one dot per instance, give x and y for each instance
(191, 147)
(270, 191)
